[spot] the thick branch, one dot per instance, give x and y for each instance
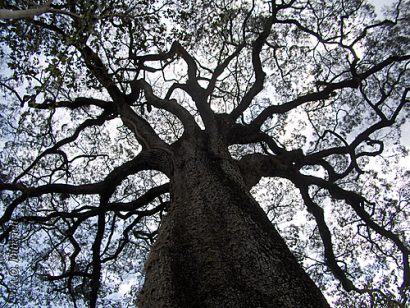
(140, 127)
(350, 149)
(36, 11)
(257, 67)
(77, 103)
(326, 236)
(28, 13)
(146, 160)
(169, 105)
(99, 70)
(192, 87)
(320, 95)
(141, 201)
(326, 92)
(255, 166)
(130, 208)
(245, 134)
(87, 123)
(142, 130)
(96, 251)
(357, 203)
(220, 69)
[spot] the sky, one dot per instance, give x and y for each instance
(405, 138)
(379, 4)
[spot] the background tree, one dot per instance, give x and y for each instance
(128, 123)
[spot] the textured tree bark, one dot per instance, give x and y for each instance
(216, 247)
(28, 13)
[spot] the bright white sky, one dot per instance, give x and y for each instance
(405, 138)
(379, 4)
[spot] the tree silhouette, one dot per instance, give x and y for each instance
(130, 126)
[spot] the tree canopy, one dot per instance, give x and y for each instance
(308, 96)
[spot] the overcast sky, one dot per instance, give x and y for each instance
(380, 3)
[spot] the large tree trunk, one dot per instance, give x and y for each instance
(216, 247)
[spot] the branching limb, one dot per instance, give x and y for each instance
(96, 251)
(54, 149)
(221, 68)
(28, 13)
(326, 236)
(133, 207)
(36, 11)
(77, 103)
(91, 274)
(99, 70)
(192, 87)
(257, 86)
(169, 105)
(245, 134)
(146, 160)
(137, 233)
(351, 149)
(139, 126)
(255, 166)
(357, 203)
(82, 213)
(326, 92)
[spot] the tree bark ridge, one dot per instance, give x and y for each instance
(217, 248)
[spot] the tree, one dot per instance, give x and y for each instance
(130, 125)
